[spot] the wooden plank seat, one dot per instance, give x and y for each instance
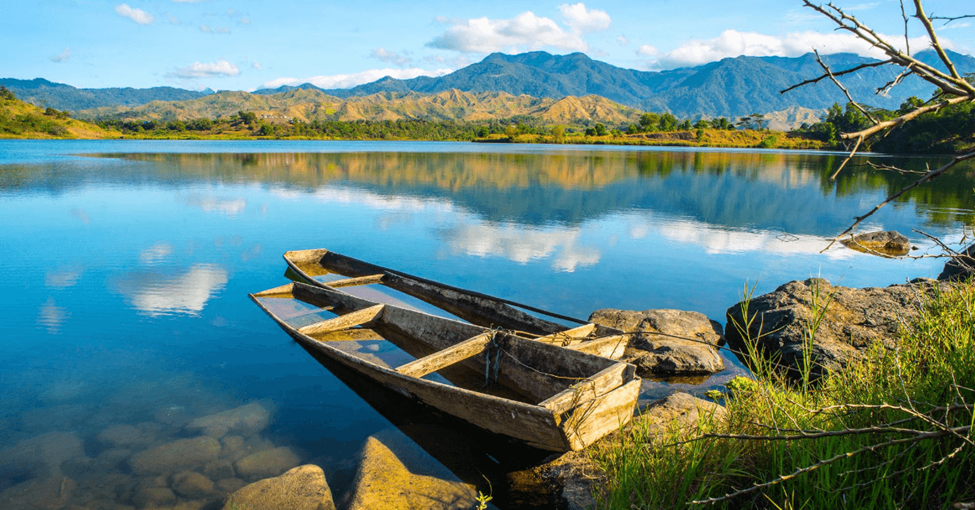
(446, 357)
(362, 317)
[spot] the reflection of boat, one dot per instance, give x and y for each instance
(477, 308)
(546, 396)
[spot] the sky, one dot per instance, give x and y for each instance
(252, 44)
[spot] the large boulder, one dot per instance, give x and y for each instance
(183, 454)
(302, 488)
(887, 243)
(852, 321)
(961, 266)
(245, 420)
(669, 342)
(394, 472)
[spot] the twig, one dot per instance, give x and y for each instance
(848, 158)
(846, 92)
(906, 117)
(907, 39)
(838, 73)
(934, 42)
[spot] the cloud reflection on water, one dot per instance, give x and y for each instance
(158, 294)
(52, 316)
(228, 206)
(522, 244)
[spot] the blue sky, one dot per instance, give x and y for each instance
(245, 45)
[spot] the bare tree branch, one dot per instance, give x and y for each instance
(907, 39)
(906, 117)
(934, 40)
(847, 160)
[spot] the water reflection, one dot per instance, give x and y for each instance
(521, 244)
(208, 203)
(63, 277)
(51, 316)
(155, 293)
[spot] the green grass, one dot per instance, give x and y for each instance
(893, 430)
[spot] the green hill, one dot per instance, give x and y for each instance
(24, 120)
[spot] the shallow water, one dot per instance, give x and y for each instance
(126, 270)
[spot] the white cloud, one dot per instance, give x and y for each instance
(622, 40)
(137, 15)
(391, 57)
(522, 245)
(63, 57)
(173, 20)
(732, 43)
(256, 65)
(206, 29)
(647, 50)
(344, 81)
(218, 69)
(524, 31)
(584, 20)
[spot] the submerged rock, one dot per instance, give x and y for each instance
(889, 243)
(192, 485)
(852, 322)
(154, 497)
(266, 463)
(394, 472)
(302, 488)
(245, 420)
(40, 455)
(49, 493)
(671, 342)
(176, 456)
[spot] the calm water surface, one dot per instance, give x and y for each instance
(126, 268)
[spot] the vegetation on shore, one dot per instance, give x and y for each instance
(894, 430)
(24, 120)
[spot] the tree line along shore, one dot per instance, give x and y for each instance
(946, 131)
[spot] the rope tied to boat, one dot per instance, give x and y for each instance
(492, 370)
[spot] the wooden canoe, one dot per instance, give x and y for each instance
(474, 307)
(546, 396)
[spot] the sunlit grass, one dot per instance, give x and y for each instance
(893, 430)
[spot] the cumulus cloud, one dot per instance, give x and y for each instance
(584, 20)
(647, 50)
(218, 69)
(391, 57)
(524, 31)
(344, 81)
(137, 15)
(732, 43)
(63, 57)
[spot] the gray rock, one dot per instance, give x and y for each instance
(302, 488)
(230, 484)
(245, 420)
(853, 321)
(192, 485)
(889, 243)
(394, 472)
(40, 455)
(176, 456)
(266, 463)
(124, 436)
(961, 267)
(672, 342)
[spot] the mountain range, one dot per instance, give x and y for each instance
(731, 87)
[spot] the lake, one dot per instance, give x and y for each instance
(126, 269)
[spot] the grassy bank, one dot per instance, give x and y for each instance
(24, 120)
(892, 431)
(719, 138)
